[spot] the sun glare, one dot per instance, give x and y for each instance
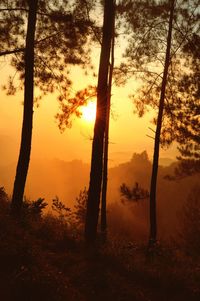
(89, 112)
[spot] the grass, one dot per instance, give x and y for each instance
(44, 258)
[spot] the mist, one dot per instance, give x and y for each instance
(50, 178)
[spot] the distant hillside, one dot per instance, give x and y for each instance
(171, 195)
(48, 178)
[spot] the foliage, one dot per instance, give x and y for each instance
(33, 208)
(135, 194)
(189, 127)
(71, 106)
(77, 216)
(25, 269)
(80, 207)
(61, 37)
(62, 211)
(144, 59)
(3, 195)
(4, 201)
(45, 261)
(55, 231)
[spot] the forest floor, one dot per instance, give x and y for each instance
(43, 259)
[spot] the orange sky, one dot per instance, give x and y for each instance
(127, 131)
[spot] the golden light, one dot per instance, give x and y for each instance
(89, 112)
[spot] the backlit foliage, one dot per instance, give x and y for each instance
(62, 37)
(136, 193)
(80, 206)
(144, 59)
(59, 207)
(71, 106)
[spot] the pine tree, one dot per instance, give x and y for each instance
(60, 35)
(99, 128)
(153, 185)
(25, 148)
(106, 140)
(162, 76)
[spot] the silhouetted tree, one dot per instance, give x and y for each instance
(188, 111)
(146, 52)
(80, 206)
(106, 138)
(99, 128)
(60, 208)
(25, 148)
(71, 106)
(61, 36)
(33, 209)
(153, 185)
(183, 113)
(134, 194)
(147, 60)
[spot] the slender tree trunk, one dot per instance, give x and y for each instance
(99, 128)
(106, 141)
(153, 221)
(26, 135)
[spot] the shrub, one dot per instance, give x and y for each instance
(63, 212)
(33, 208)
(80, 207)
(135, 194)
(4, 199)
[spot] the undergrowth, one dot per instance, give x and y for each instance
(43, 257)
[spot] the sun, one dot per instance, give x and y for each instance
(89, 112)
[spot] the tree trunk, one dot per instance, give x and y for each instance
(153, 221)
(99, 128)
(26, 136)
(106, 141)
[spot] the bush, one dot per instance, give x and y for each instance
(33, 208)
(63, 212)
(80, 207)
(4, 199)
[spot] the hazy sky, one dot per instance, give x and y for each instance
(128, 133)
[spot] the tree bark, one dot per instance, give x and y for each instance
(153, 187)
(99, 128)
(106, 141)
(26, 135)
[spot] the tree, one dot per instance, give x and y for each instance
(134, 194)
(159, 22)
(71, 106)
(25, 148)
(80, 207)
(161, 79)
(81, 98)
(60, 35)
(99, 128)
(153, 185)
(187, 130)
(106, 138)
(183, 109)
